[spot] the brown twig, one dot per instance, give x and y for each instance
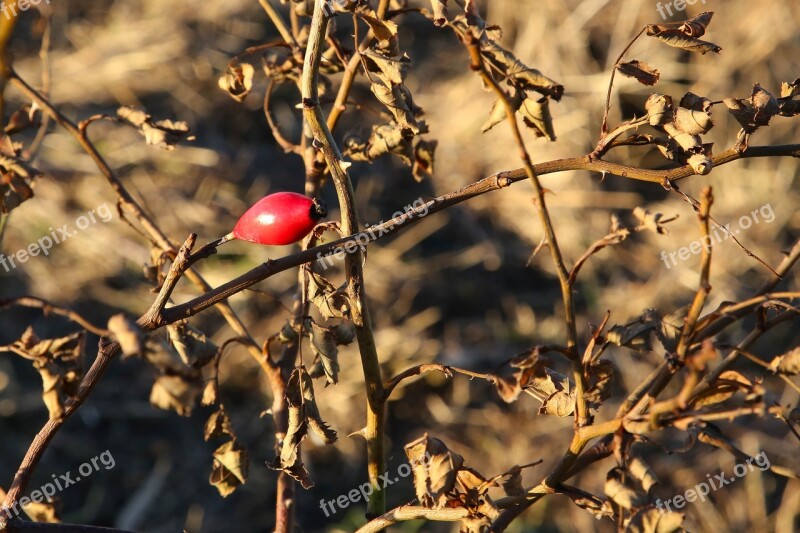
(604, 126)
(477, 65)
(359, 314)
(49, 308)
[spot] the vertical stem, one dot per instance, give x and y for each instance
(477, 64)
(374, 431)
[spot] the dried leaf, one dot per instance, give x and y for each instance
(642, 473)
(59, 363)
(695, 102)
(323, 344)
(435, 470)
(164, 134)
(685, 34)
(659, 109)
(787, 364)
(677, 39)
(513, 485)
(230, 468)
(330, 301)
(175, 393)
(237, 81)
(754, 112)
(693, 122)
(439, 12)
(536, 115)
(16, 181)
(385, 139)
(311, 410)
(599, 383)
(623, 495)
(42, 512)
(423, 160)
(554, 391)
(650, 221)
(127, 334)
(644, 73)
(652, 520)
(195, 349)
(218, 425)
(789, 90)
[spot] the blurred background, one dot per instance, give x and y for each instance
(456, 288)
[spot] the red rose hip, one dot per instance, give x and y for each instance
(278, 219)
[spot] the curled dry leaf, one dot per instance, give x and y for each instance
(330, 301)
(195, 349)
(598, 387)
(554, 391)
(513, 484)
(695, 102)
(642, 473)
(324, 342)
(230, 468)
(693, 27)
(423, 159)
(303, 414)
(685, 34)
(650, 221)
(652, 520)
(59, 363)
(755, 111)
(725, 386)
(644, 73)
(16, 181)
(41, 512)
(683, 125)
(164, 134)
(789, 90)
(315, 422)
(439, 12)
(385, 139)
(126, 333)
(536, 115)
(237, 81)
(289, 459)
(435, 470)
(218, 425)
(787, 364)
(175, 393)
(622, 494)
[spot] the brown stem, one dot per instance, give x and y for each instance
(48, 309)
(359, 314)
(477, 64)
